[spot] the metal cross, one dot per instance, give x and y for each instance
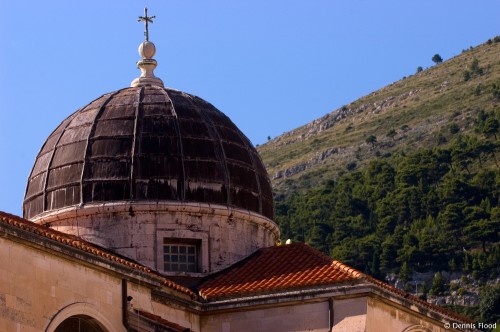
(146, 19)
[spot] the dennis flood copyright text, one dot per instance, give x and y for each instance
(480, 325)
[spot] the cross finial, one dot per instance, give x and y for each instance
(146, 19)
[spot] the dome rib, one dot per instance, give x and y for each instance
(137, 122)
(88, 145)
(47, 170)
(181, 187)
(220, 153)
(254, 164)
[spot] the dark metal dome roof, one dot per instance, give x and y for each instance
(148, 143)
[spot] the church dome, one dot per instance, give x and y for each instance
(156, 175)
(147, 143)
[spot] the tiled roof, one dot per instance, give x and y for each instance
(158, 320)
(278, 268)
(293, 267)
(78, 243)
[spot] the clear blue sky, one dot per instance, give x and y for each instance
(271, 66)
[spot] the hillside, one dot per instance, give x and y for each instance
(404, 183)
(419, 109)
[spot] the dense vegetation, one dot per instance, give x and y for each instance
(435, 209)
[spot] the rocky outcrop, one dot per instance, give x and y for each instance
(331, 119)
(463, 290)
(333, 154)
(316, 159)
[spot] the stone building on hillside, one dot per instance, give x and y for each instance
(149, 210)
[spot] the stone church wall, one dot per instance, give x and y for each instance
(298, 317)
(40, 288)
(35, 286)
(383, 316)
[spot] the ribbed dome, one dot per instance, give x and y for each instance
(148, 143)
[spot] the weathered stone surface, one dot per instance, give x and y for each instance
(136, 230)
(148, 144)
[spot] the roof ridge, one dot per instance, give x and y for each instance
(310, 250)
(346, 268)
(81, 244)
(243, 277)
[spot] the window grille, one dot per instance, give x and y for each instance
(180, 257)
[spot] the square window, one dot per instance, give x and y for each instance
(180, 256)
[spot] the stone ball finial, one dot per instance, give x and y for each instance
(147, 50)
(147, 65)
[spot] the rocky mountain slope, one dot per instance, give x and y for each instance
(404, 183)
(413, 112)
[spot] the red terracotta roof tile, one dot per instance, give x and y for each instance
(293, 267)
(286, 267)
(162, 322)
(78, 243)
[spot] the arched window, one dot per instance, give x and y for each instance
(417, 328)
(81, 317)
(80, 323)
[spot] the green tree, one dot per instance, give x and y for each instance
(317, 237)
(424, 289)
(437, 59)
(438, 285)
(475, 69)
(489, 304)
(388, 254)
(404, 273)
(483, 230)
(409, 252)
(461, 153)
(366, 247)
(491, 126)
(419, 69)
(453, 128)
(495, 90)
(467, 75)
(429, 243)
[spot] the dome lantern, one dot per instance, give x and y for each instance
(147, 51)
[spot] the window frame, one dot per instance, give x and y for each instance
(201, 238)
(175, 247)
